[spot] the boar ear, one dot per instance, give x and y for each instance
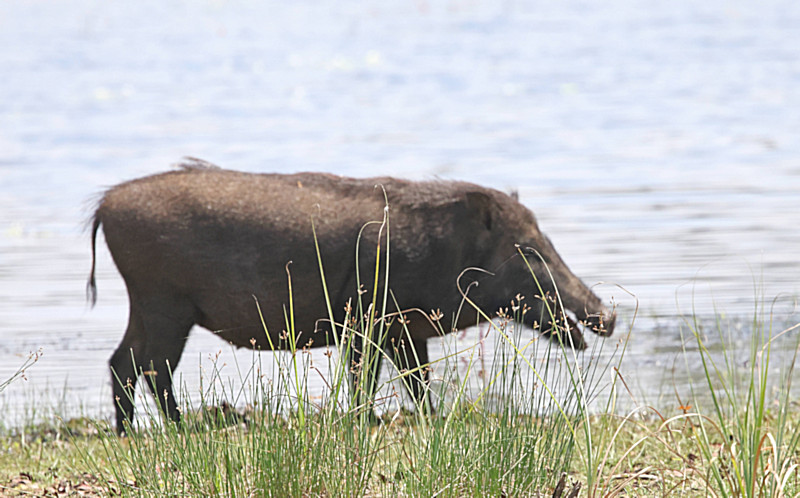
(480, 207)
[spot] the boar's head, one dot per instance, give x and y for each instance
(524, 263)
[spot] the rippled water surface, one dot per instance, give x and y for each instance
(658, 146)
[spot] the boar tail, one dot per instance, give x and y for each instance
(91, 285)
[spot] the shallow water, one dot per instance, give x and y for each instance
(658, 147)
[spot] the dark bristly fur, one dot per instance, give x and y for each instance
(195, 245)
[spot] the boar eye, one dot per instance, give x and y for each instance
(531, 253)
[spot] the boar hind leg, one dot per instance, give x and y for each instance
(410, 356)
(152, 346)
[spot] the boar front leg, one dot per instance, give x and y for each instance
(410, 356)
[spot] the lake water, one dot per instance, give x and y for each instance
(659, 145)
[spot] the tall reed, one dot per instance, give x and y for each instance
(749, 437)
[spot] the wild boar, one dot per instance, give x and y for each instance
(196, 245)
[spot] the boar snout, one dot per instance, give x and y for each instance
(601, 323)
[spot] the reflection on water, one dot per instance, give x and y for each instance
(658, 147)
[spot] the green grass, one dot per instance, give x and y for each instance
(514, 447)
(500, 433)
(748, 435)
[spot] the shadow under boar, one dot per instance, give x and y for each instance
(196, 245)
